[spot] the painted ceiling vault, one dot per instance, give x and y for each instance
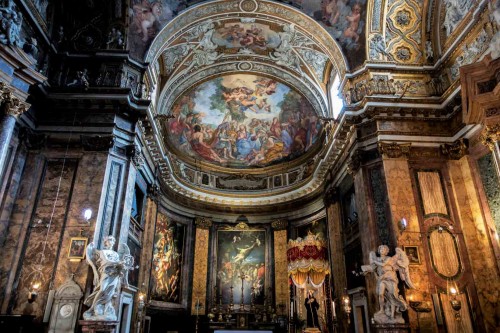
(240, 89)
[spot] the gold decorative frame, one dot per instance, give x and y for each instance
(72, 246)
(413, 254)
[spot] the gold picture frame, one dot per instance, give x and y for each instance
(77, 246)
(413, 254)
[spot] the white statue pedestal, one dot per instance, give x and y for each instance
(97, 326)
(390, 328)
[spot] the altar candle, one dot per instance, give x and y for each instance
(333, 310)
(197, 305)
(291, 309)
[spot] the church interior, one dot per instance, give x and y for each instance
(300, 166)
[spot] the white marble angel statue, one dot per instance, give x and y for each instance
(385, 267)
(110, 271)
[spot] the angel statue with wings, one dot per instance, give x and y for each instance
(110, 271)
(385, 267)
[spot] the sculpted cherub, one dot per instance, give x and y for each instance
(385, 268)
(110, 271)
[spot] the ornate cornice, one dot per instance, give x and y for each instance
(456, 150)
(203, 222)
(490, 135)
(394, 150)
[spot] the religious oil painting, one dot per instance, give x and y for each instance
(412, 254)
(316, 228)
(77, 248)
(345, 21)
(243, 121)
(241, 264)
(167, 260)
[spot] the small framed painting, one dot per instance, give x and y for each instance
(412, 254)
(77, 248)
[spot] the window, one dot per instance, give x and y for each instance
(335, 99)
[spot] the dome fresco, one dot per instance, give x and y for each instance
(243, 121)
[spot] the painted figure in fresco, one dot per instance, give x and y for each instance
(110, 271)
(244, 124)
(354, 18)
(145, 16)
(312, 307)
(199, 146)
(385, 267)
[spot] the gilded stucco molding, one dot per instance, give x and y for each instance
(203, 222)
(10, 104)
(280, 224)
(455, 150)
(394, 150)
(490, 136)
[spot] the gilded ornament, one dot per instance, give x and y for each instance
(394, 150)
(203, 222)
(456, 150)
(490, 136)
(279, 224)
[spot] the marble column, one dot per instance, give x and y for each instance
(490, 137)
(11, 108)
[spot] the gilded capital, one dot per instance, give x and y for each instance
(394, 150)
(10, 104)
(490, 135)
(203, 222)
(455, 150)
(279, 224)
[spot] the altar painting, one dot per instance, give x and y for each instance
(243, 121)
(167, 260)
(316, 228)
(241, 260)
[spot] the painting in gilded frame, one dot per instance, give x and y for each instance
(241, 260)
(167, 260)
(243, 121)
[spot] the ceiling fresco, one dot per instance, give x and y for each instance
(243, 121)
(344, 20)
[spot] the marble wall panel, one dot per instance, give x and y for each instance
(12, 244)
(431, 192)
(85, 194)
(367, 228)
(336, 249)
(477, 242)
(379, 196)
(452, 324)
(45, 235)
